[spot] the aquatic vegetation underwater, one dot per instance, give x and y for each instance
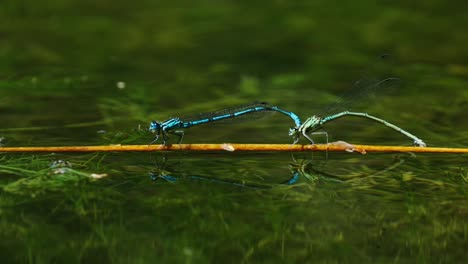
(81, 73)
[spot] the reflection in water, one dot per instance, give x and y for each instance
(350, 172)
(309, 167)
(163, 170)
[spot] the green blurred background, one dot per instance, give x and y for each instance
(90, 72)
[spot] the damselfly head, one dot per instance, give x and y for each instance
(154, 127)
(294, 133)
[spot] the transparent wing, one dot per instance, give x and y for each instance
(377, 80)
(253, 115)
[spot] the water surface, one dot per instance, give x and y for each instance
(92, 72)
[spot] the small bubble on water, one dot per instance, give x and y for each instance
(121, 85)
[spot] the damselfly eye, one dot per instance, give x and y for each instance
(154, 126)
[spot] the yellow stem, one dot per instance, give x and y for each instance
(230, 147)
